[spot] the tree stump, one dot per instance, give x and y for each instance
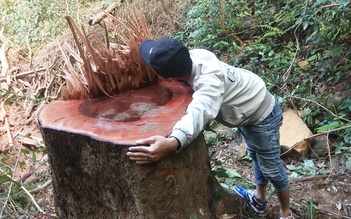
(87, 142)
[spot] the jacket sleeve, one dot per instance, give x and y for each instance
(207, 100)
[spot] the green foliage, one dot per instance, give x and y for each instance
(36, 22)
(348, 162)
(271, 38)
(10, 96)
(9, 189)
(201, 27)
(343, 149)
(262, 36)
(306, 168)
(312, 208)
(25, 20)
(214, 138)
(228, 176)
(15, 201)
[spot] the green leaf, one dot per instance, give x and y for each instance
(34, 158)
(348, 163)
(329, 126)
(246, 157)
(4, 179)
(324, 171)
(225, 185)
(221, 172)
(221, 43)
(233, 173)
(306, 111)
(291, 167)
(25, 151)
(339, 205)
(305, 25)
(308, 164)
(337, 151)
(295, 175)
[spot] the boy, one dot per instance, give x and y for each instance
(232, 96)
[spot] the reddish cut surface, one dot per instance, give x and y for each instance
(123, 118)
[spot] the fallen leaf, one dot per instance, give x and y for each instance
(339, 206)
(303, 63)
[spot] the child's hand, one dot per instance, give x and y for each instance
(152, 149)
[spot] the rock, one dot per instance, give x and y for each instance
(336, 98)
(319, 146)
(289, 155)
(241, 150)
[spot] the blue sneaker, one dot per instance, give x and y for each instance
(249, 196)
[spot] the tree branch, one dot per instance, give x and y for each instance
(309, 178)
(329, 131)
(41, 187)
(32, 199)
(168, 15)
(100, 16)
(320, 105)
(287, 73)
(3, 59)
(223, 27)
(7, 125)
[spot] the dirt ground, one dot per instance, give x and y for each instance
(319, 197)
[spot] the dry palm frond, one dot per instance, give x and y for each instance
(76, 84)
(107, 68)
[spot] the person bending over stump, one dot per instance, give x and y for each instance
(234, 97)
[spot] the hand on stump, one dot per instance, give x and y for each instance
(152, 149)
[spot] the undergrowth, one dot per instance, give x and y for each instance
(300, 48)
(33, 23)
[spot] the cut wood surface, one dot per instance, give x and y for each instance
(294, 131)
(123, 118)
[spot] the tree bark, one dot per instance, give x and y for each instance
(93, 177)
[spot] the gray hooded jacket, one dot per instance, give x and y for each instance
(232, 96)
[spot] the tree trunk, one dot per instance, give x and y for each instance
(93, 177)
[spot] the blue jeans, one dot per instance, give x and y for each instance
(263, 147)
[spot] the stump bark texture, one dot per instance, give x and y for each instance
(87, 142)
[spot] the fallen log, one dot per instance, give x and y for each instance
(92, 177)
(101, 15)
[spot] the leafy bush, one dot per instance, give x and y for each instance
(36, 22)
(300, 48)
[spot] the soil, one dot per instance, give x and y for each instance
(317, 196)
(320, 196)
(21, 149)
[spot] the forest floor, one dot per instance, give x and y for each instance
(313, 194)
(318, 196)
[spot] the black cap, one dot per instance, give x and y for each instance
(167, 57)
